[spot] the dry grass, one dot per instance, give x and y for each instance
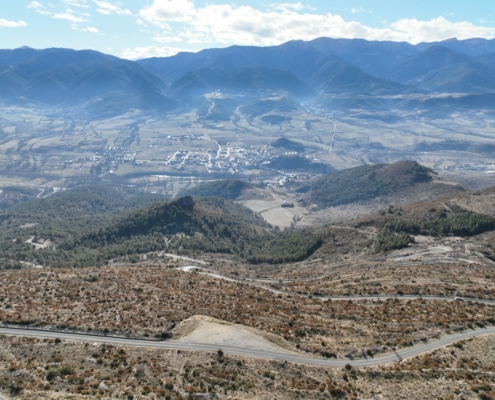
(34, 369)
(469, 280)
(151, 300)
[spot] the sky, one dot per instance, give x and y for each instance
(136, 29)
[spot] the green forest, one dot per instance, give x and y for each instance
(228, 189)
(91, 226)
(365, 182)
(396, 233)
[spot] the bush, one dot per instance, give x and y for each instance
(391, 241)
(166, 335)
(66, 370)
(269, 374)
(52, 374)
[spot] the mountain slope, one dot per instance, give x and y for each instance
(282, 104)
(440, 69)
(209, 217)
(433, 59)
(294, 163)
(263, 78)
(488, 59)
(229, 189)
(259, 78)
(469, 47)
(369, 182)
(469, 77)
(337, 77)
(373, 57)
(73, 78)
(209, 224)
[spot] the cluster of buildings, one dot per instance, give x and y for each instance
(229, 158)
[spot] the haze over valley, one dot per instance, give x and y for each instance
(75, 116)
(268, 202)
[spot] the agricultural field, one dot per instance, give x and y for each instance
(57, 149)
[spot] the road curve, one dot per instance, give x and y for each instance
(267, 355)
(256, 282)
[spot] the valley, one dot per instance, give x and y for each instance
(170, 153)
(310, 220)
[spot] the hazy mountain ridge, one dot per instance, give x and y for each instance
(104, 85)
(65, 77)
(207, 80)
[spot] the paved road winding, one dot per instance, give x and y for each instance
(294, 358)
(259, 283)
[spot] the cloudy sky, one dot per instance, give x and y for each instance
(144, 28)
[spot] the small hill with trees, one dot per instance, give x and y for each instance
(406, 179)
(228, 189)
(190, 226)
(284, 143)
(299, 164)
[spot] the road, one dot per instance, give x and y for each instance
(333, 137)
(258, 283)
(293, 358)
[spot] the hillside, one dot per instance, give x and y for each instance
(73, 78)
(72, 211)
(433, 59)
(299, 164)
(209, 217)
(205, 225)
(229, 189)
(368, 182)
(285, 143)
(463, 215)
(205, 80)
(102, 86)
(59, 217)
(260, 107)
(337, 77)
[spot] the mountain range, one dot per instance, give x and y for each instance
(328, 73)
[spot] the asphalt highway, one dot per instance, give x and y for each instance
(293, 358)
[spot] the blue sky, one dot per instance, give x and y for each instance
(143, 28)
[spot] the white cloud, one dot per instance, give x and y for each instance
(107, 8)
(35, 5)
(11, 24)
(150, 51)
(38, 7)
(168, 10)
(168, 39)
(245, 25)
(440, 29)
(89, 29)
(287, 6)
(360, 10)
(248, 26)
(76, 3)
(68, 17)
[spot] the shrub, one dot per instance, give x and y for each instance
(66, 370)
(52, 374)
